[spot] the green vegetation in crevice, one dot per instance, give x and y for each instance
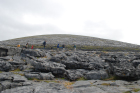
(81, 78)
(16, 70)
(105, 84)
(127, 92)
(136, 89)
(48, 81)
(35, 79)
(112, 78)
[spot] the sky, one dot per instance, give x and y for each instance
(108, 19)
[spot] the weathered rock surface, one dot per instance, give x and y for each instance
(9, 80)
(40, 76)
(96, 75)
(35, 53)
(75, 74)
(93, 66)
(89, 86)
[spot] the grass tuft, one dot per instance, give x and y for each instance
(16, 70)
(112, 78)
(106, 84)
(128, 92)
(136, 90)
(81, 78)
(68, 84)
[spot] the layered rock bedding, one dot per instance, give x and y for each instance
(49, 71)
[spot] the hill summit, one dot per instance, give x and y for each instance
(67, 40)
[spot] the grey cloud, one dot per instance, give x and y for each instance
(41, 7)
(11, 12)
(25, 30)
(101, 30)
(10, 28)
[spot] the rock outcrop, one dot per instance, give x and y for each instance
(29, 70)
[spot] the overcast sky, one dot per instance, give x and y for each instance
(109, 19)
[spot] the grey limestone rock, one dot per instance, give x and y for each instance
(75, 74)
(96, 75)
(32, 76)
(59, 57)
(40, 76)
(56, 68)
(75, 64)
(14, 51)
(18, 78)
(5, 66)
(136, 63)
(10, 80)
(35, 53)
(46, 76)
(7, 58)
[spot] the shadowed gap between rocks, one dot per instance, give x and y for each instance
(3, 52)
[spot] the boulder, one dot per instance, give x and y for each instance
(75, 74)
(7, 58)
(46, 76)
(18, 63)
(96, 75)
(9, 80)
(136, 63)
(31, 76)
(18, 78)
(3, 51)
(35, 53)
(14, 51)
(10, 65)
(5, 66)
(40, 76)
(55, 68)
(58, 58)
(95, 65)
(75, 65)
(79, 58)
(5, 76)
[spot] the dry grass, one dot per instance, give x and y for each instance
(16, 70)
(68, 84)
(106, 84)
(81, 78)
(136, 89)
(111, 78)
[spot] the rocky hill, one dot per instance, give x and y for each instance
(49, 71)
(67, 40)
